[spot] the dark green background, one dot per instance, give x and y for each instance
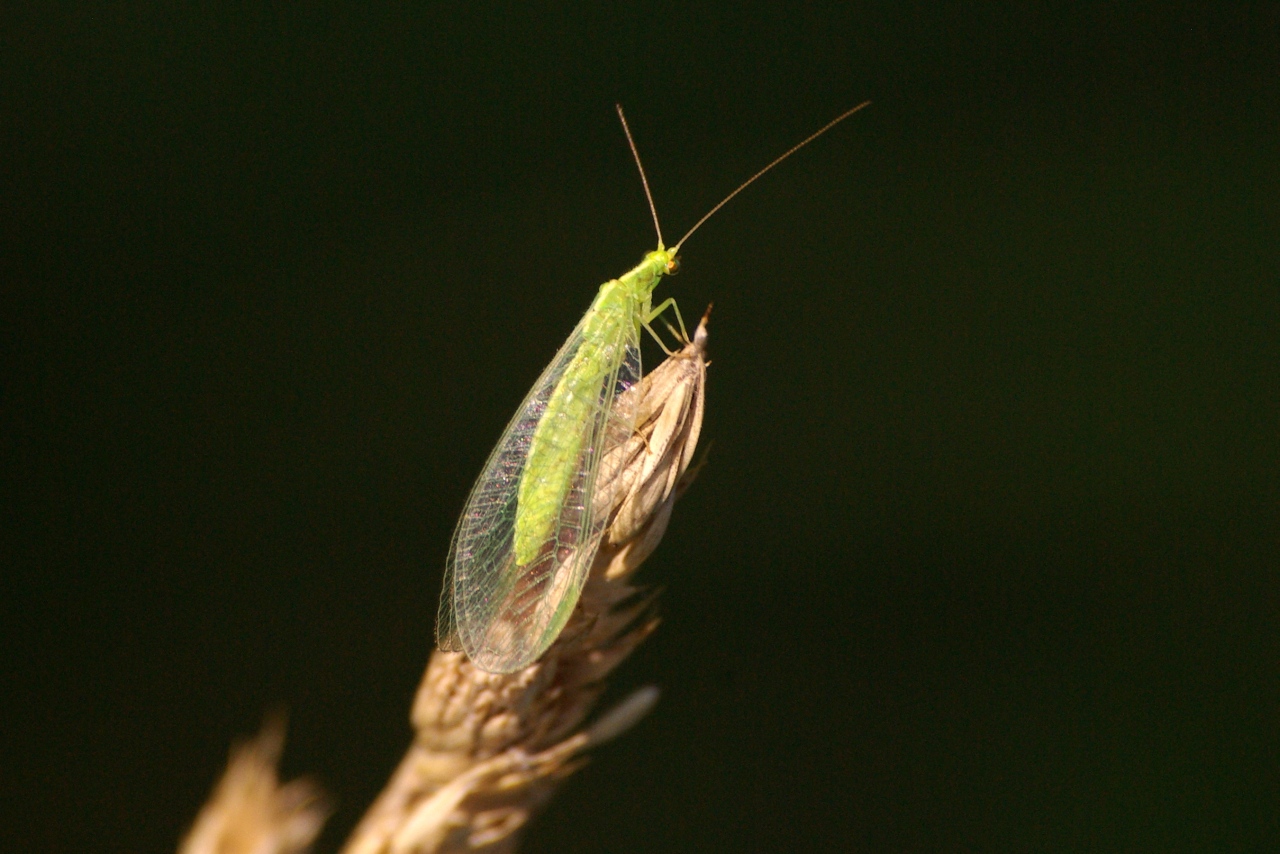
(985, 557)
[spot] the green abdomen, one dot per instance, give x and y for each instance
(555, 449)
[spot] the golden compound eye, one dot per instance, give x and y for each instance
(673, 266)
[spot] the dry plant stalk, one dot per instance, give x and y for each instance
(250, 812)
(491, 749)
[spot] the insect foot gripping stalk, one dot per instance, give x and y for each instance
(490, 749)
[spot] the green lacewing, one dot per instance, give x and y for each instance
(527, 535)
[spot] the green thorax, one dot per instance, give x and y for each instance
(641, 279)
(556, 445)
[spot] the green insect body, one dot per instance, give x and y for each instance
(615, 316)
(528, 534)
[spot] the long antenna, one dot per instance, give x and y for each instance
(747, 183)
(643, 180)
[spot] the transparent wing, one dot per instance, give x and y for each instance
(504, 616)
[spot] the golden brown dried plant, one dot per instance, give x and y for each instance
(250, 811)
(490, 749)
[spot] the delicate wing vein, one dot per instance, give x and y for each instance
(502, 615)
